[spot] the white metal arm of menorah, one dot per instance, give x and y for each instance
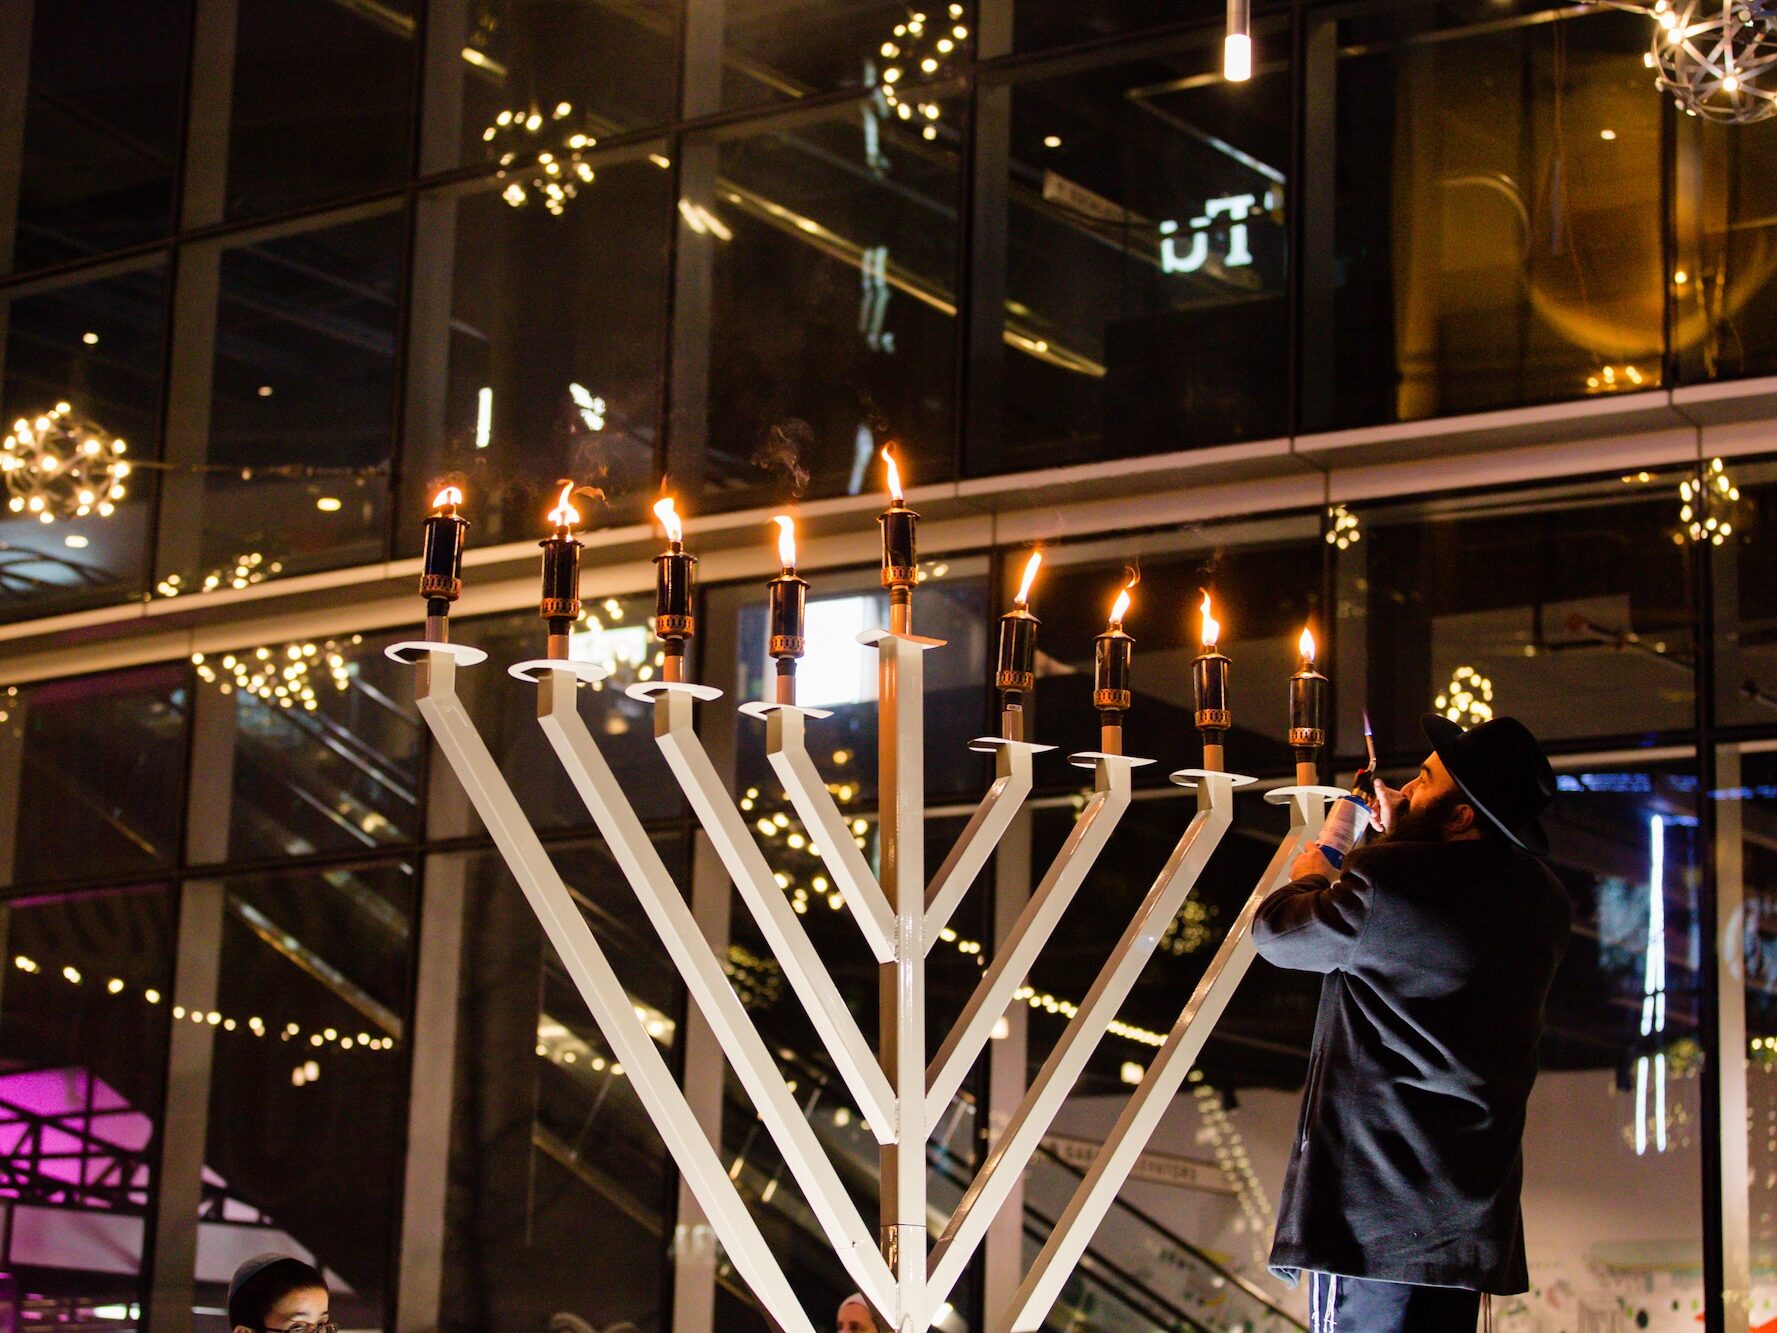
(898, 1091)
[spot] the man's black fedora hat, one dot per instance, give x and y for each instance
(1501, 770)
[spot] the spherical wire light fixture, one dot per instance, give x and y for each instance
(1715, 58)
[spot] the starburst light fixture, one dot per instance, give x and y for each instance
(61, 464)
(1468, 699)
(1716, 58)
(920, 48)
(1708, 505)
(1342, 528)
(541, 156)
(285, 677)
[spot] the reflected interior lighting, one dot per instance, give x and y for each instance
(786, 540)
(484, 417)
(1653, 994)
(1030, 577)
(1212, 628)
(590, 406)
(328, 504)
(835, 672)
(1343, 530)
(1237, 57)
(669, 519)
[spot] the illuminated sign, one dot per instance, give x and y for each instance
(1237, 208)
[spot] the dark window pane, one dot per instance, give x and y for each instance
(1723, 303)
(1745, 517)
(1498, 218)
(615, 633)
(323, 101)
(96, 350)
(302, 404)
(828, 256)
(1040, 23)
(83, 1030)
(309, 1092)
(1569, 609)
(100, 768)
(327, 746)
(1746, 870)
(519, 411)
(1145, 263)
(772, 52)
(102, 127)
(550, 1143)
(581, 68)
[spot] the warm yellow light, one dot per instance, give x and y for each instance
(450, 495)
(1305, 645)
(669, 519)
(328, 504)
(786, 540)
(1237, 57)
(894, 474)
(564, 515)
(1120, 607)
(1212, 628)
(1030, 576)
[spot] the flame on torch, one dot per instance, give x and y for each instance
(894, 474)
(1305, 645)
(450, 495)
(1030, 577)
(1120, 607)
(669, 519)
(1212, 628)
(564, 515)
(786, 540)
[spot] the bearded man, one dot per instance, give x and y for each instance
(1438, 942)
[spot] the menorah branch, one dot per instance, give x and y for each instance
(993, 816)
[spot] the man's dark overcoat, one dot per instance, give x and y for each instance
(1408, 1160)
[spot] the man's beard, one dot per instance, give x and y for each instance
(1427, 823)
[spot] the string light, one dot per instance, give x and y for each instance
(1708, 506)
(541, 157)
(920, 47)
(1468, 699)
(61, 464)
(1715, 58)
(1342, 528)
(286, 677)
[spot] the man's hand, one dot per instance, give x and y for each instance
(1312, 862)
(1388, 800)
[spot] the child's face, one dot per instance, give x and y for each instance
(300, 1310)
(854, 1318)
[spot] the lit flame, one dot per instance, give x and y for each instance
(450, 495)
(786, 540)
(1212, 628)
(669, 519)
(564, 515)
(894, 474)
(1305, 645)
(1120, 607)
(1030, 577)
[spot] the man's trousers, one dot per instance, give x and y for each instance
(1358, 1305)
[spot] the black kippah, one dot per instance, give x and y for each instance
(259, 1282)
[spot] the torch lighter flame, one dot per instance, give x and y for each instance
(894, 475)
(450, 495)
(1120, 607)
(1212, 628)
(1030, 577)
(669, 519)
(1305, 645)
(786, 540)
(564, 515)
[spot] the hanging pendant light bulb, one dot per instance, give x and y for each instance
(1237, 47)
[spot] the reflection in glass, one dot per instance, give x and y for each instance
(1047, 23)
(1572, 604)
(327, 746)
(1498, 218)
(537, 385)
(97, 763)
(611, 66)
(323, 101)
(314, 980)
(99, 347)
(102, 128)
(302, 403)
(83, 1025)
(552, 1145)
(1146, 266)
(1746, 617)
(828, 247)
(1725, 252)
(877, 45)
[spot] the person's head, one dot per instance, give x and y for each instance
(1491, 781)
(1435, 808)
(857, 1316)
(275, 1292)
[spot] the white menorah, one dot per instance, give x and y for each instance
(899, 1092)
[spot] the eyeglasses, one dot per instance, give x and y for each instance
(302, 1328)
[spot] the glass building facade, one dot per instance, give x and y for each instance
(1444, 334)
